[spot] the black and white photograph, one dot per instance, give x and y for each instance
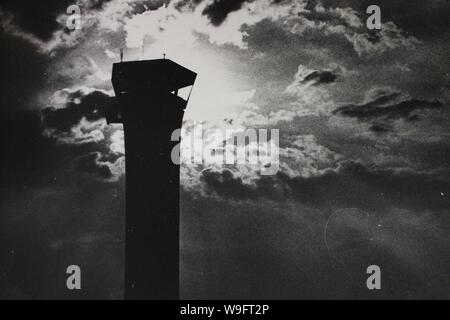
(225, 150)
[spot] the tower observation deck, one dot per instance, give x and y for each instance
(150, 110)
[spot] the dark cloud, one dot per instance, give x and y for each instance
(386, 108)
(79, 105)
(285, 250)
(22, 146)
(218, 10)
(320, 77)
(227, 183)
(424, 19)
(80, 127)
(90, 164)
(378, 129)
(41, 194)
(187, 4)
(32, 141)
(82, 221)
(352, 185)
(40, 18)
(355, 185)
(56, 210)
(37, 18)
(24, 74)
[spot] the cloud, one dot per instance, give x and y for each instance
(320, 77)
(309, 89)
(74, 106)
(223, 22)
(173, 27)
(96, 166)
(354, 185)
(90, 164)
(347, 23)
(325, 232)
(387, 108)
(402, 110)
(38, 20)
(349, 185)
(76, 120)
(227, 184)
(314, 175)
(84, 132)
(389, 38)
(218, 10)
(305, 157)
(421, 19)
(52, 35)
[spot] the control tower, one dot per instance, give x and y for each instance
(150, 110)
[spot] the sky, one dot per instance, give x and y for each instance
(363, 117)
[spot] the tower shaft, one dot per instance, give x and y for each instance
(150, 111)
(152, 204)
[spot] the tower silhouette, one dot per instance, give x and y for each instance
(150, 109)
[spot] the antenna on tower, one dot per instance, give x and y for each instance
(121, 55)
(142, 50)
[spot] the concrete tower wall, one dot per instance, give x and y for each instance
(150, 111)
(152, 195)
